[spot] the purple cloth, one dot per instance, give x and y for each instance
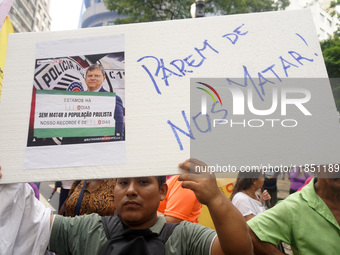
(35, 189)
(297, 182)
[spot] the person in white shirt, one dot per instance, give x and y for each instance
(247, 196)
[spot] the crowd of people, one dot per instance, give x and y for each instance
(32, 228)
(308, 220)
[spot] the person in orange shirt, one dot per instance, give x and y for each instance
(179, 204)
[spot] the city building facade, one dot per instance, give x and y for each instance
(30, 15)
(324, 23)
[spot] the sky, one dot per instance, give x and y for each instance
(65, 14)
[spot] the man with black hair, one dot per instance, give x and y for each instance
(136, 200)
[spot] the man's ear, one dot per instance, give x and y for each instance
(104, 77)
(163, 190)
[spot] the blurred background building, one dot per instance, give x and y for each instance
(95, 14)
(30, 15)
(325, 24)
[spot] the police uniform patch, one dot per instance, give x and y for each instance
(75, 86)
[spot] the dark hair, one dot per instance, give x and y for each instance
(161, 180)
(244, 181)
(95, 66)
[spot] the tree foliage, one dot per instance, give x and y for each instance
(331, 54)
(332, 6)
(133, 11)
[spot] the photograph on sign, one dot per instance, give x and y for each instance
(76, 100)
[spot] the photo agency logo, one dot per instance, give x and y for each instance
(204, 97)
(244, 107)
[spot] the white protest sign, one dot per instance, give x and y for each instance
(155, 64)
